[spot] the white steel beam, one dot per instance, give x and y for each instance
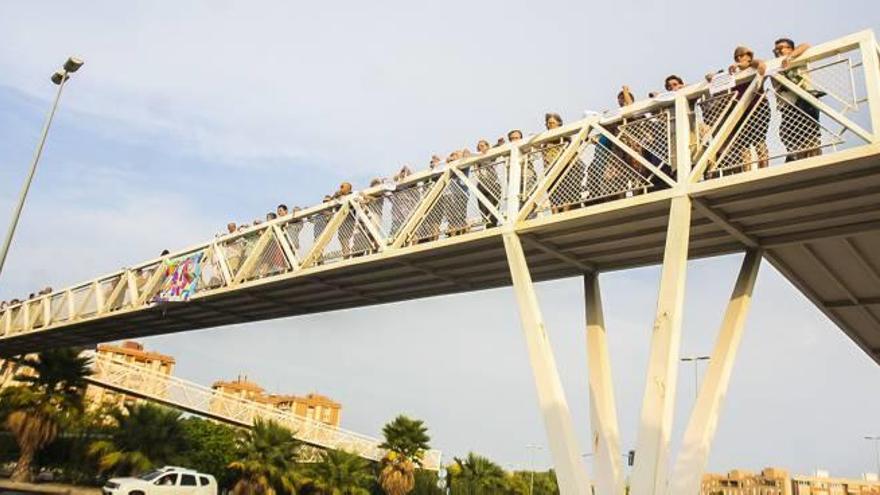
(652, 450)
(721, 220)
(556, 253)
(682, 139)
(691, 463)
(607, 468)
(514, 186)
(871, 66)
(132, 288)
(551, 397)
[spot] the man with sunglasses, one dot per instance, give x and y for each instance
(801, 135)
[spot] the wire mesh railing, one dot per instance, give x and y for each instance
(491, 179)
(599, 171)
(391, 208)
(351, 239)
(651, 135)
(827, 112)
(453, 213)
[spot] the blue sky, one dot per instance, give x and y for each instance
(188, 115)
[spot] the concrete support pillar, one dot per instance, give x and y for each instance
(607, 468)
(566, 454)
(658, 404)
(688, 472)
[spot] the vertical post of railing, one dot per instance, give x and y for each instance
(25, 316)
(871, 64)
(132, 287)
(514, 184)
(47, 310)
(99, 297)
(682, 139)
(71, 305)
(6, 322)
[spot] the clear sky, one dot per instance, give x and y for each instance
(190, 114)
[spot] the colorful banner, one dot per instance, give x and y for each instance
(181, 278)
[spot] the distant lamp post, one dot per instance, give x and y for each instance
(59, 77)
(696, 360)
(532, 449)
(876, 440)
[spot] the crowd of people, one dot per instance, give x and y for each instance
(743, 59)
(33, 295)
(792, 129)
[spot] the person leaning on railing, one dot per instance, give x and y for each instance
(343, 233)
(552, 150)
(487, 183)
(321, 218)
(744, 59)
(399, 201)
(801, 136)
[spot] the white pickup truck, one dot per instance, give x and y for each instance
(169, 480)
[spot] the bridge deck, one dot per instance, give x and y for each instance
(817, 218)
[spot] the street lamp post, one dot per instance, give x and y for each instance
(876, 440)
(696, 360)
(533, 449)
(58, 78)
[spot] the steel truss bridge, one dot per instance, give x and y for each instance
(677, 177)
(151, 385)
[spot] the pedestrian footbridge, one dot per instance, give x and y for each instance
(154, 386)
(784, 167)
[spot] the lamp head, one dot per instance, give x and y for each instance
(59, 76)
(73, 64)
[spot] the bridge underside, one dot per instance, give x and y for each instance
(818, 222)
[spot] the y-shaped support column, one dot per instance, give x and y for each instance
(691, 462)
(557, 419)
(607, 469)
(658, 405)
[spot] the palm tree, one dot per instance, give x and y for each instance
(266, 460)
(342, 473)
(397, 475)
(408, 437)
(35, 411)
(145, 436)
(406, 440)
(477, 475)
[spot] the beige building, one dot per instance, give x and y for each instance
(132, 353)
(312, 406)
(775, 481)
(129, 352)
